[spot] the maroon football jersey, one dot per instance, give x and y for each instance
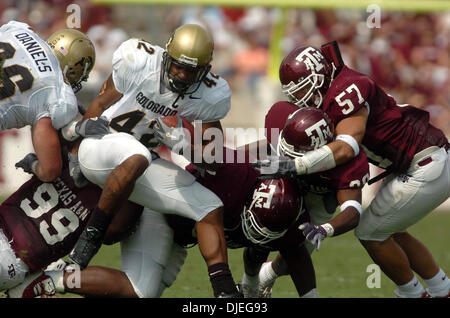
(394, 133)
(44, 220)
(234, 184)
(353, 174)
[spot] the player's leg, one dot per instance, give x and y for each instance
(300, 267)
(176, 260)
(113, 162)
(12, 269)
(401, 202)
(420, 258)
(97, 281)
(423, 263)
(269, 272)
(148, 253)
(16, 278)
(253, 260)
(145, 255)
(167, 188)
(391, 258)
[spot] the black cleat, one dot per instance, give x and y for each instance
(87, 246)
(236, 294)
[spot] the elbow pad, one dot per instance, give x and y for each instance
(349, 140)
(352, 203)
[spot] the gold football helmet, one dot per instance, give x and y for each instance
(192, 47)
(75, 53)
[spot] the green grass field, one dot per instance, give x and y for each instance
(340, 265)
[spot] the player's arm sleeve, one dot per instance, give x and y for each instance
(355, 173)
(58, 104)
(126, 63)
(216, 107)
(14, 25)
(217, 111)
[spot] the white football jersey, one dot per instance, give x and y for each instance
(31, 81)
(137, 75)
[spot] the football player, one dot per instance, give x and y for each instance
(397, 138)
(40, 223)
(264, 215)
(38, 81)
(302, 130)
(146, 84)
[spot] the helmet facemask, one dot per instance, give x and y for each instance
(286, 149)
(182, 86)
(71, 76)
(190, 47)
(311, 84)
(254, 232)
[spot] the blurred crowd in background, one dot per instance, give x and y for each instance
(408, 55)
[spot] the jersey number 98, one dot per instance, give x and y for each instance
(7, 86)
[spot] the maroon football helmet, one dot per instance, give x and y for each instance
(305, 130)
(275, 205)
(305, 76)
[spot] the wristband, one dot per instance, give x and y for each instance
(328, 228)
(68, 132)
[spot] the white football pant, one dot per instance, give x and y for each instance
(12, 269)
(163, 187)
(403, 200)
(150, 258)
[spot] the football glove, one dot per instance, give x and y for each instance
(171, 137)
(91, 127)
(316, 233)
(75, 171)
(275, 167)
(28, 163)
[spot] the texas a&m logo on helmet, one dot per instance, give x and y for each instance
(275, 205)
(305, 130)
(305, 76)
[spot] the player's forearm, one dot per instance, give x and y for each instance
(342, 152)
(345, 221)
(324, 158)
(48, 174)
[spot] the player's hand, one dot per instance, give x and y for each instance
(275, 167)
(315, 233)
(28, 163)
(91, 127)
(75, 172)
(171, 137)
